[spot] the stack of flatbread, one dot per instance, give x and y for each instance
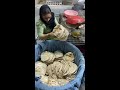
(60, 32)
(56, 69)
(47, 57)
(44, 79)
(69, 57)
(40, 68)
(58, 54)
(61, 69)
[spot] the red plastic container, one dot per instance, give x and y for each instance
(75, 20)
(69, 13)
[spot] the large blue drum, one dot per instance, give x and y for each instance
(51, 45)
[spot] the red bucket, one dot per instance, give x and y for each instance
(75, 20)
(69, 13)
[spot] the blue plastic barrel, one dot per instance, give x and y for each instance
(51, 45)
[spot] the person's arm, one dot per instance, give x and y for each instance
(40, 32)
(46, 36)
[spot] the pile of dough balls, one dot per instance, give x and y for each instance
(60, 32)
(56, 69)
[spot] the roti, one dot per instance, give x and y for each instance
(52, 82)
(40, 68)
(65, 68)
(60, 69)
(47, 57)
(69, 56)
(58, 54)
(44, 79)
(72, 68)
(44, 56)
(62, 82)
(51, 58)
(60, 32)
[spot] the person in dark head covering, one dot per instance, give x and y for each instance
(46, 23)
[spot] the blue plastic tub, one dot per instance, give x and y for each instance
(51, 45)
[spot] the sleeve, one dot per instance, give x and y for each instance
(56, 22)
(40, 29)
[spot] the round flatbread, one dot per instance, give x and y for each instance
(70, 77)
(51, 58)
(44, 79)
(69, 56)
(49, 70)
(45, 56)
(72, 68)
(52, 82)
(60, 32)
(60, 69)
(65, 67)
(58, 54)
(40, 68)
(62, 82)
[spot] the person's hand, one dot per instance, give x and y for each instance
(51, 34)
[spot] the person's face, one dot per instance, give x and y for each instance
(47, 17)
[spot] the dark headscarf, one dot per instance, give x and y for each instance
(45, 9)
